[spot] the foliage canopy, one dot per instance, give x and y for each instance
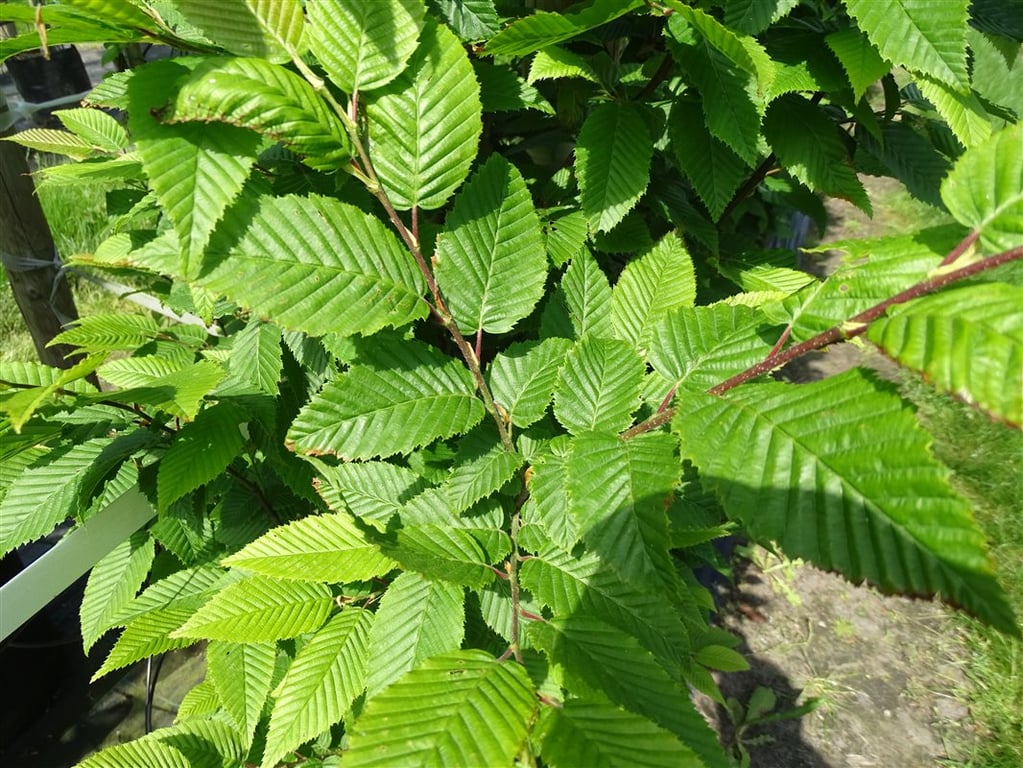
(493, 321)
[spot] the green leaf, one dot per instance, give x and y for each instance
(660, 280)
(175, 389)
(270, 29)
(602, 735)
(754, 16)
(242, 675)
(547, 505)
(196, 171)
(482, 467)
(106, 333)
(412, 396)
(471, 20)
(572, 585)
(715, 171)
(257, 356)
(962, 110)
(523, 378)
(966, 340)
(808, 144)
(698, 347)
(187, 587)
(490, 261)
(267, 99)
(417, 619)
(373, 491)
(363, 45)
(317, 265)
(113, 582)
(598, 386)
(616, 491)
(921, 36)
(53, 141)
(984, 191)
(556, 63)
(731, 103)
(863, 65)
(839, 472)
(872, 271)
(612, 163)
(502, 90)
(564, 234)
(321, 684)
(588, 297)
(543, 28)
(911, 158)
(318, 548)
(442, 552)
(152, 754)
(260, 609)
(96, 127)
(201, 452)
(461, 708)
(211, 742)
(425, 125)
(595, 655)
(46, 494)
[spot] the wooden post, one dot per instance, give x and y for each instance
(29, 257)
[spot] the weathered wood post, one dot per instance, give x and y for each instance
(29, 257)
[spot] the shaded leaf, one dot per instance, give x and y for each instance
(113, 581)
(328, 673)
(543, 28)
(201, 452)
(523, 378)
(839, 472)
(461, 708)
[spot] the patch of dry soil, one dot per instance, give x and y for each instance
(888, 670)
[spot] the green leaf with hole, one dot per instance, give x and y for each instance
(363, 45)
(411, 397)
(460, 708)
(967, 341)
(321, 684)
(425, 125)
(317, 265)
(490, 260)
(612, 163)
(840, 473)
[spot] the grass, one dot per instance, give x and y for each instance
(987, 461)
(78, 221)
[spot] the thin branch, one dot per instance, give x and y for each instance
(855, 326)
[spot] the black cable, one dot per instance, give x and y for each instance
(151, 677)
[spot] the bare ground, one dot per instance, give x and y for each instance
(887, 670)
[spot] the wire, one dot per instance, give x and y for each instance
(152, 673)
